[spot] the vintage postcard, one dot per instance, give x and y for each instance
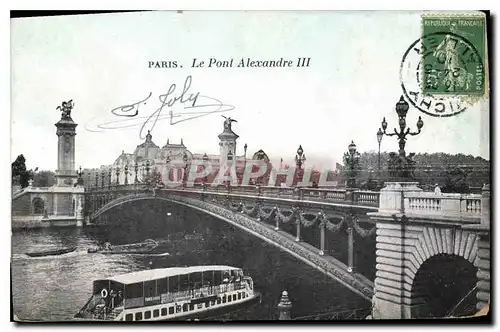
(250, 165)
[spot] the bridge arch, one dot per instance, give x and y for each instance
(439, 256)
(336, 270)
(444, 286)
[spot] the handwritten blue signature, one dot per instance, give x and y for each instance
(190, 101)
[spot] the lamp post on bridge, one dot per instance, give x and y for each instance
(351, 160)
(109, 177)
(126, 172)
(402, 166)
(184, 174)
(245, 163)
(97, 179)
(102, 178)
(229, 165)
(136, 169)
(205, 160)
(300, 159)
(117, 175)
(380, 135)
(79, 173)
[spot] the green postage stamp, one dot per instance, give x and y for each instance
(453, 60)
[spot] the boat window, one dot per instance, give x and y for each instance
(185, 307)
(239, 296)
(156, 313)
(129, 317)
(134, 290)
(212, 302)
(149, 288)
(173, 284)
(219, 300)
(178, 308)
(244, 294)
(229, 298)
(138, 316)
(191, 306)
(217, 278)
(224, 299)
(207, 304)
(208, 278)
(195, 278)
(234, 297)
(170, 310)
(184, 283)
(162, 286)
(164, 311)
(147, 314)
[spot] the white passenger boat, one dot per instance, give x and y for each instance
(176, 293)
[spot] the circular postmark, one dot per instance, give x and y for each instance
(441, 74)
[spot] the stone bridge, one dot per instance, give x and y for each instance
(251, 208)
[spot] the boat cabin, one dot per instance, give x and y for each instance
(153, 287)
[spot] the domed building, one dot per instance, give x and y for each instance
(173, 160)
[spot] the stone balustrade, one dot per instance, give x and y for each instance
(452, 205)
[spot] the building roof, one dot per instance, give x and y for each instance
(146, 275)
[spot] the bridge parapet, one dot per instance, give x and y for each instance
(451, 205)
(350, 196)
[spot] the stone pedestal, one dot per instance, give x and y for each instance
(392, 196)
(284, 307)
(392, 298)
(66, 172)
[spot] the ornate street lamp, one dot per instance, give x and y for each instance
(205, 160)
(229, 164)
(351, 160)
(102, 178)
(79, 173)
(300, 157)
(380, 135)
(117, 175)
(109, 177)
(402, 109)
(184, 175)
(402, 166)
(126, 174)
(136, 169)
(245, 163)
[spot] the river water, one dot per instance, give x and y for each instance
(55, 288)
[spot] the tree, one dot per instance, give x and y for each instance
(455, 181)
(19, 173)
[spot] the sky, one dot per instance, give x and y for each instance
(101, 62)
